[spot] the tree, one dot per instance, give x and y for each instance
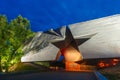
(3, 24)
(12, 37)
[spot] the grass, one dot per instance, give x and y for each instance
(46, 64)
(112, 76)
(112, 73)
(22, 67)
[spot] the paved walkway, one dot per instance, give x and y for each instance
(51, 76)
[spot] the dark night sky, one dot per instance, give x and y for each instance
(46, 14)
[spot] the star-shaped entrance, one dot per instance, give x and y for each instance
(46, 45)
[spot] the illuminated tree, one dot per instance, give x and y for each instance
(12, 38)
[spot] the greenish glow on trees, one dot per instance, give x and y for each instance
(12, 39)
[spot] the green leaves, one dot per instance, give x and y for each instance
(12, 38)
(3, 21)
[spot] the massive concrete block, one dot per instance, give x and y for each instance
(94, 39)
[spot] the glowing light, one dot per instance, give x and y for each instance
(72, 66)
(101, 64)
(71, 54)
(23, 59)
(114, 64)
(116, 60)
(107, 65)
(3, 70)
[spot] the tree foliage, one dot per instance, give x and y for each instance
(12, 37)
